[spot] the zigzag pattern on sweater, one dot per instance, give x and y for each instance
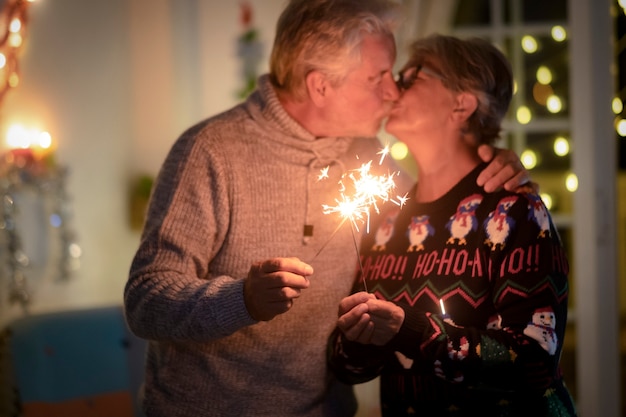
(508, 287)
(411, 295)
(517, 288)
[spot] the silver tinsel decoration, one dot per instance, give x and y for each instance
(19, 176)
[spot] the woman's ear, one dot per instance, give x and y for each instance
(317, 87)
(466, 104)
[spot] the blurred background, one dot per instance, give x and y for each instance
(94, 93)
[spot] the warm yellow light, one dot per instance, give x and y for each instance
(547, 200)
(20, 137)
(523, 115)
(541, 92)
(44, 140)
(617, 105)
(554, 104)
(529, 159)
(571, 183)
(17, 137)
(559, 33)
(15, 25)
(15, 40)
(529, 44)
(399, 151)
(561, 146)
(3, 60)
(544, 75)
(620, 127)
(14, 80)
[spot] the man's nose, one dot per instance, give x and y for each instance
(391, 92)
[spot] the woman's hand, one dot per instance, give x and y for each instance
(367, 320)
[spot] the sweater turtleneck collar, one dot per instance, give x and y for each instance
(305, 149)
(265, 107)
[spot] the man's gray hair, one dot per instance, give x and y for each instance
(325, 35)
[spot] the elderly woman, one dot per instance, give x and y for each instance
(466, 306)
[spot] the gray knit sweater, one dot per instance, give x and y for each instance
(236, 189)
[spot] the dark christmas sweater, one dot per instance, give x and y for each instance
(495, 263)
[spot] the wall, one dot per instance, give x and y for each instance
(75, 85)
(115, 82)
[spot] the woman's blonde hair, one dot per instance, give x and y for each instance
(325, 35)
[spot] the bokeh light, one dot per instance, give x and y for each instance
(571, 182)
(524, 115)
(529, 159)
(529, 44)
(561, 146)
(558, 33)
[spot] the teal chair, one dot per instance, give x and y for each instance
(79, 363)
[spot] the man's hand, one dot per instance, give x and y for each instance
(504, 170)
(365, 319)
(272, 285)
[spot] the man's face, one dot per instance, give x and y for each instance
(358, 106)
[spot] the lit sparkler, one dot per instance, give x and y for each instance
(323, 174)
(368, 191)
(383, 153)
(446, 317)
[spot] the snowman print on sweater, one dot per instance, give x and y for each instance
(541, 328)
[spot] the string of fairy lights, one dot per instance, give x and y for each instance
(28, 168)
(13, 23)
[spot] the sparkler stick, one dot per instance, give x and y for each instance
(368, 190)
(443, 310)
(330, 238)
(358, 256)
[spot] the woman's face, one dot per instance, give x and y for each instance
(424, 107)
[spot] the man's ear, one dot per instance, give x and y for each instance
(466, 105)
(317, 87)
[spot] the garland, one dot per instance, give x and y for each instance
(21, 172)
(13, 22)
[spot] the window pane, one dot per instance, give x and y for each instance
(472, 13)
(542, 77)
(536, 11)
(543, 144)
